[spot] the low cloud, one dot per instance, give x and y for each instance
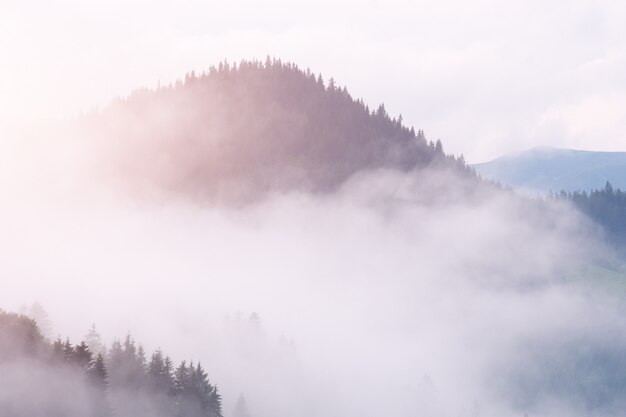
(399, 294)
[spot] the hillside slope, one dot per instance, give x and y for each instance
(549, 169)
(44, 378)
(255, 127)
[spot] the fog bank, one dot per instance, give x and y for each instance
(398, 294)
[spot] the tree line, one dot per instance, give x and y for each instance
(605, 206)
(117, 382)
(256, 126)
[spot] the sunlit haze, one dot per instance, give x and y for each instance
(487, 77)
(274, 209)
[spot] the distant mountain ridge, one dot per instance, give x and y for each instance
(545, 169)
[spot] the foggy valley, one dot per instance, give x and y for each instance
(256, 240)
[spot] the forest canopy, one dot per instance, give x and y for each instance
(243, 130)
(58, 378)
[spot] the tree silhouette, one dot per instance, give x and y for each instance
(120, 384)
(241, 408)
(247, 129)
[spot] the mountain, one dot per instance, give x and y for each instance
(251, 128)
(547, 169)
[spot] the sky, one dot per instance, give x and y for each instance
(486, 77)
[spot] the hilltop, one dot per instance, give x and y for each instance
(255, 127)
(547, 169)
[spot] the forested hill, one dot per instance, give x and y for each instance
(39, 378)
(606, 207)
(256, 126)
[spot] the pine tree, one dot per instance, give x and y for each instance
(381, 111)
(94, 341)
(331, 85)
(241, 408)
(40, 315)
(67, 351)
(98, 373)
(182, 390)
(215, 403)
(98, 379)
(254, 320)
(115, 363)
(81, 356)
(159, 373)
(19, 335)
(155, 369)
(195, 396)
(439, 146)
(141, 359)
(121, 385)
(160, 382)
(57, 349)
(320, 82)
(168, 375)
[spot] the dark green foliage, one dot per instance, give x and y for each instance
(98, 374)
(98, 378)
(159, 373)
(195, 396)
(67, 351)
(57, 348)
(160, 383)
(122, 384)
(606, 207)
(82, 356)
